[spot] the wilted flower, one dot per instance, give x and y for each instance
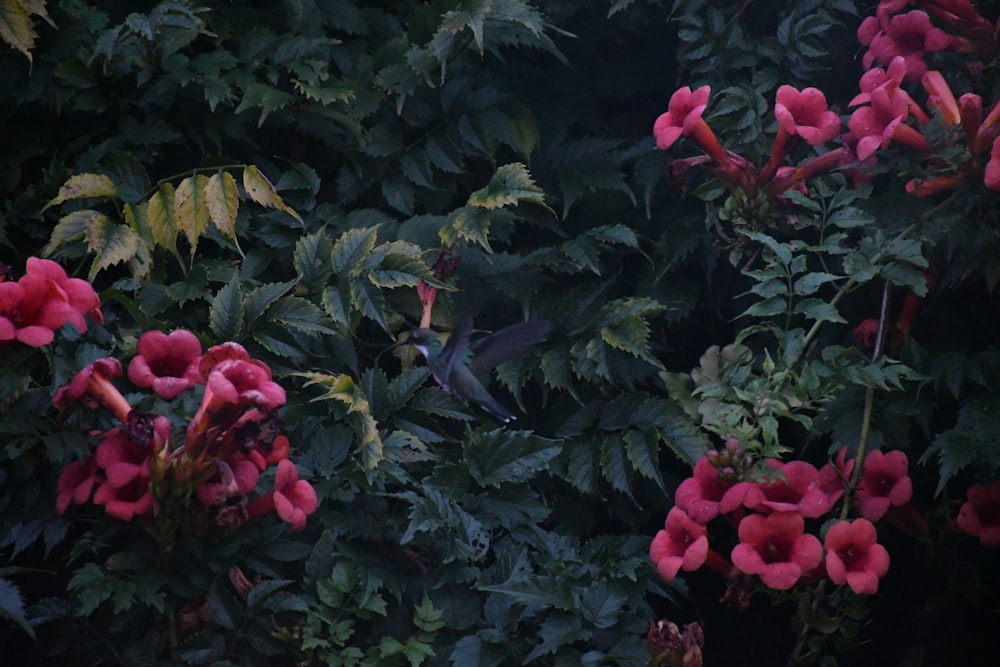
(776, 548)
(854, 557)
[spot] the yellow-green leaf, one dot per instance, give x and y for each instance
(111, 243)
(15, 26)
(223, 201)
(161, 218)
(511, 184)
(262, 192)
(191, 208)
(81, 186)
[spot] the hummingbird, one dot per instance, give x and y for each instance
(455, 364)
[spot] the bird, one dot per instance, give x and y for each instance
(455, 364)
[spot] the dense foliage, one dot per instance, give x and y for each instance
(801, 317)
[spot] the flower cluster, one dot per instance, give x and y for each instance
(884, 112)
(803, 116)
(901, 42)
(137, 470)
(770, 511)
(43, 301)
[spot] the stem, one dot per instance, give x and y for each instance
(866, 417)
(876, 258)
(195, 170)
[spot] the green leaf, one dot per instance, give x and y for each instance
(642, 449)
(850, 217)
(301, 315)
(262, 192)
(352, 249)
(225, 316)
(312, 259)
(811, 282)
(499, 456)
(12, 606)
(819, 310)
(777, 305)
(112, 244)
(399, 270)
(262, 297)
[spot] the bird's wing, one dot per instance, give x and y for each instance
(506, 344)
(457, 343)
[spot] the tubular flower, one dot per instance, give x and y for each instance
(76, 483)
(941, 98)
(682, 545)
(805, 114)
(167, 363)
(878, 125)
(42, 301)
(798, 491)
(684, 118)
(234, 386)
(126, 493)
(236, 477)
(854, 557)
(992, 175)
(776, 548)
(909, 35)
(293, 499)
(92, 386)
(884, 483)
(699, 495)
(980, 514)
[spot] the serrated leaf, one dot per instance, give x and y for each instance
(511, 184)
(16, 27)
(297, 313)
(225, 316)
(469, 223)
(191, 209)
(642, 449)
(81, 186)
(811, 282)
(631, 334)
(222, 198)
(352, 249)
(501, 457)
(111, 243)
(850, 217)
(614, 466)
(12, 606)
(819, 310)
(161, 218)
(311, 259)
(399, 270)
(262, 192)
(261, 297)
